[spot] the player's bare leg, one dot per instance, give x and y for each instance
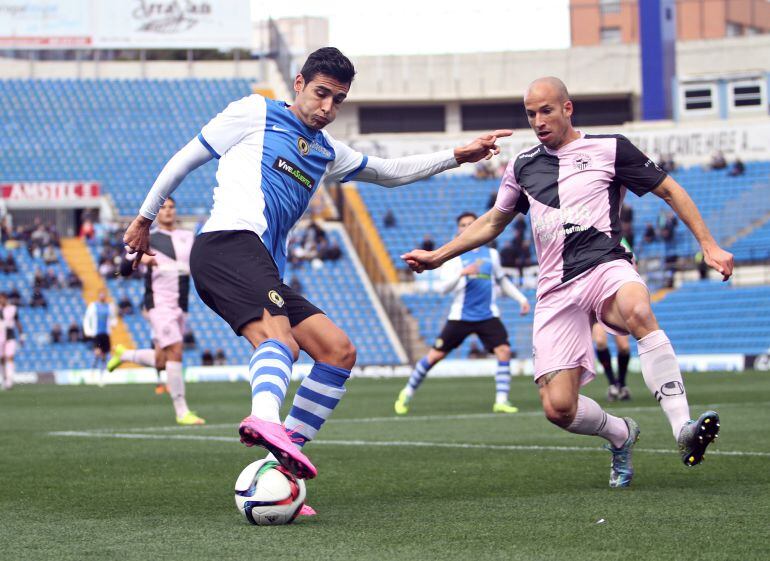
(503, 380)
(630, 309)
(565, 407)
(416, 379)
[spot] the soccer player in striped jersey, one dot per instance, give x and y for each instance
(167, 290)
(475, 278)
(271, 159)
(573, 185)
(11, 328)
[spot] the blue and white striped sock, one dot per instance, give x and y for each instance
(317, 396)
(421, 370)
(502, 381)
(270, 369)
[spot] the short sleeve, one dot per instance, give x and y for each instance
(635, 170)
(510, 197)
(347, 162)
(230, 126)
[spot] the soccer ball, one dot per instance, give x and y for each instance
(268, 494)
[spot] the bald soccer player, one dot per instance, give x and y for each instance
(573, 185)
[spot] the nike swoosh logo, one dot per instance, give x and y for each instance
(279, 129)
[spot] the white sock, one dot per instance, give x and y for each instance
(270, 369)
(502, 381)
(661, 373)
(10, 371)
(592, 419)
(176, 387)
(145, 357)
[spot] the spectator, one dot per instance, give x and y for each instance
(219, 358)
(14, 297)
(38, 300)
(87, 229)
(106, 268)
(649, 235)
(738, 168)
(390, 219)
(666, 163)
(483, 170)
(56, 333)
(427, 243)
(73, 281)
(125, 306)
(718, 160)
(188, 338)
(207, 359)
(296, 284)
(51, 280)
(73, 333)
(9, 266)
(39, 280)
(667, 223)
(49, 255)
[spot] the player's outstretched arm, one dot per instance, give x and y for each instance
(684, 207)
(482, 231)
(393, 172)
(137, 236)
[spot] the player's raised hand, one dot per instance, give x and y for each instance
(420, 260)
(719, 260)
(472, 269)
(137, 239)
(524, 308)
(483, 148)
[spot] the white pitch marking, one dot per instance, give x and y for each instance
(394, 443)
(419, 418)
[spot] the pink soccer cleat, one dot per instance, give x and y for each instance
(307, 510)
(272, 436)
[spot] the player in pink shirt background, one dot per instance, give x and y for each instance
(573, 185)
(166, 296)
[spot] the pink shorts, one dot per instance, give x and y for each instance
(167, 326)
(9, 348)
(561, 334)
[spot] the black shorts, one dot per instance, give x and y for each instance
(491, 331)
(102, 342)
(237, 278)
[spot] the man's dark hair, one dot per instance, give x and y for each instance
(466, 213)
(328, 61)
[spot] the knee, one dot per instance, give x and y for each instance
(623, 347)
(503, 353)
(343, 355)
(639, 316)
(560, 414)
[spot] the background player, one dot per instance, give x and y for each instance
(98, 321)
(167, 290)
(572, 184)
(272, 157)
(474, 277)
(11, 329)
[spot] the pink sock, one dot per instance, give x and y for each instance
(592, 419)
(176, 387)
(145, 357)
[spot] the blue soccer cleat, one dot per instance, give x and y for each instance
(621, 467)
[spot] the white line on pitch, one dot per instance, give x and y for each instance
(418, 418)
(395, 443)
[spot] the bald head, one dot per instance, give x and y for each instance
(549, 112)
(548, 87)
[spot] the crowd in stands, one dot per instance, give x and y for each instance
(217, 359)
(309, 243)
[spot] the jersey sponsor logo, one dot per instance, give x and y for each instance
(649, 163)
(275, 298)
(293, 170)
(316, 147)
(561, 222)
(581, 161)
(303, 146)
(532, 155)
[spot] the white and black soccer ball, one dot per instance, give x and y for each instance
(268, 494)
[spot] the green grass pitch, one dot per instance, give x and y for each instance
(449, 481)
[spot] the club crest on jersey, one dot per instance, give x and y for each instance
(303, 146)
(439, 343)
(582, 161)
(275, 298)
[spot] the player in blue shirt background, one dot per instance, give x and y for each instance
(474, 277)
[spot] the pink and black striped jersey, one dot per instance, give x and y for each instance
(573, 196)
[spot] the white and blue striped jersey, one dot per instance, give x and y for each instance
(270, 164)
(475, 295)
